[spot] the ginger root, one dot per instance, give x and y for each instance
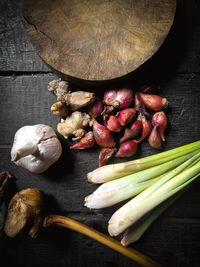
(59, 88)
(74, 125)
(70, 101)
(59, 108)
(79, 99)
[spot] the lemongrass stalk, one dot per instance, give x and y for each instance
(161, 190)
(124, 188)
(113, 171)
(134, 232)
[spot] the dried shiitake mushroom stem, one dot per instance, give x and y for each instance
(106, 240)
(27, 207)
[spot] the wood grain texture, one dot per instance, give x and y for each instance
(32, 106)
(181, 49)
(173, 239)
(32, 102)
(16, 52)
(97, 40)
(55, 247)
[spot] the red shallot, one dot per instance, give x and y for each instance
(135, 130)
(102, 135)
(160, 119)
(121, 98)
(126, 116)
(155, 139)
(127, 149)
(139, 105)
(95, 109)
(113, 124)
(146, 129)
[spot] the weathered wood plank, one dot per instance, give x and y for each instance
(16, 51)
(181, 52)
(66, 182)
(173, 239)
(25, 100)
(70, 174)
(170, 242)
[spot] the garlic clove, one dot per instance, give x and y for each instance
(24, 145)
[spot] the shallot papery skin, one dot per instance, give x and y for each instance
(110, 98)
(119, 98)
(102, 135)
(139, 105)
(127, 149)
(86, 142)
(96, 108)
(125, 97)
(106, 154)
(146, 129)
(35, 148)
(155, 139)
(126, 116)
(153, 102)
(113, 124)
(160, 119)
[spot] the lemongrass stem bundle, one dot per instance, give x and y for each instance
(161, 190)
(124, 188)
(114, 171)
(134, 232)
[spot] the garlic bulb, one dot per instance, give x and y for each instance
(35, 148)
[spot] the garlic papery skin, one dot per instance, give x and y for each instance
(36, 148)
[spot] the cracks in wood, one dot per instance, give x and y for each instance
(36, 29)
(23, 73)
(5, 146)
(84, 213)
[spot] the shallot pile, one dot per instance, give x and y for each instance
(119, 121)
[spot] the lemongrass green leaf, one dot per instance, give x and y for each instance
(154, 195)
(135, 232)
(124, 188)
(114, 171)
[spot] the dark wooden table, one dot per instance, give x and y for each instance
(173, 239)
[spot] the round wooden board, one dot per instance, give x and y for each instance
(97, 40)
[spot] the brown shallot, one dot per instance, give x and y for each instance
(85, 142)
(106, 153)
(153, 102)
